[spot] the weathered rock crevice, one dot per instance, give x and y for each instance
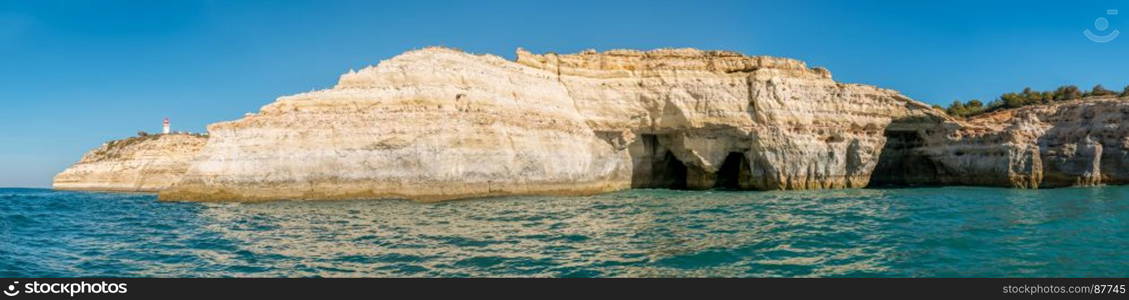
(655, 165)
(902, 161)
(735, 173)
(1076, 143)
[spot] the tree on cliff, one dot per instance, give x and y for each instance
(1013, 100)
(971, 108)
(1100, 90)
(1067, 92)
(1031, 96)
(1028, 97)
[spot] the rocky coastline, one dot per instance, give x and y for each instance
(148, 163)
(440, 124)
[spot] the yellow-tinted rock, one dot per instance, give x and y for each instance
(137, 164)
(437, 124)
(1075, 143)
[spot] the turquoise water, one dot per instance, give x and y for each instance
(918, 232)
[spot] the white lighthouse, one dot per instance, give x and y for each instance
(165, 128)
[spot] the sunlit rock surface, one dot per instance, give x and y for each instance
(437, 124)
(1076, 143)
(137, 164)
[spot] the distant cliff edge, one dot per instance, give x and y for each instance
(138, 164)
(438, 124)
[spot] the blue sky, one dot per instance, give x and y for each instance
(74, 74)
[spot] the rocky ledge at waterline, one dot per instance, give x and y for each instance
(1077, 143)
(437, 124)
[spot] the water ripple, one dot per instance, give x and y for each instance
(947, 232)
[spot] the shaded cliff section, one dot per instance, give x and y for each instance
(719, 119)
(1078, 143)
(137, 164)
(654, 165)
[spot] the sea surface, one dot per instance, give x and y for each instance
(910, 232)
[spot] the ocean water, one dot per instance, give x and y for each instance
(912, 232)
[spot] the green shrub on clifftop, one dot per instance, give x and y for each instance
(1028, 97)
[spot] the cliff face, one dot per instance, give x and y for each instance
(1075, 143)
(787, 126)
(438, 124)
(430, 125)
(137, 164)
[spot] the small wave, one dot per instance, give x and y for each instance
(965, 232)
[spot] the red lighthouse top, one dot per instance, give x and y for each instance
(166, 121)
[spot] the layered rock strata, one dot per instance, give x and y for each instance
(137, 164)
(438, 124)
(1077, 143)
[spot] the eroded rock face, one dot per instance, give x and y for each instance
(1077, 143)
(438, 124)
(432, 124)
(796, 128)
(138, 164)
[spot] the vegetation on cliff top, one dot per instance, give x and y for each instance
(1027, 97)
(111, 149)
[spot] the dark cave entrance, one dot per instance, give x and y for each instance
(902, 163)
(656, 166)
(670, 172)
(734, 171)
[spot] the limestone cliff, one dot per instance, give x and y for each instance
(788, 126)
(137, 164)
(437, 124)
(1075, 143)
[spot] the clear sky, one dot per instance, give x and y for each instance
(74, 74)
